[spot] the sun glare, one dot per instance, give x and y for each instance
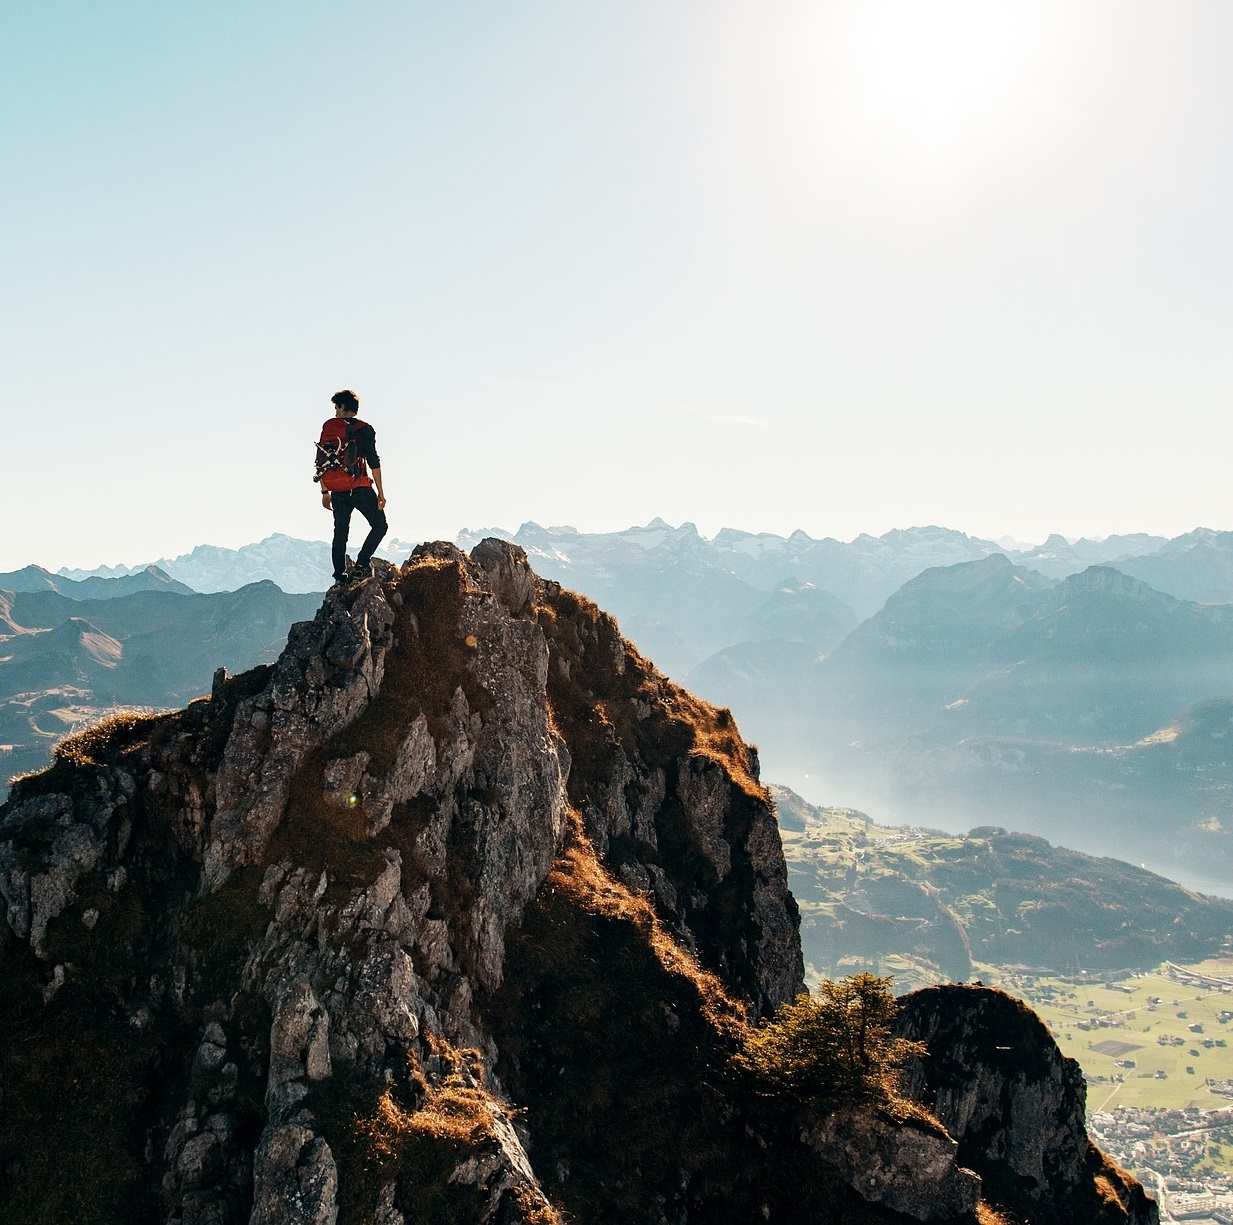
(899, 100)
(933, 76)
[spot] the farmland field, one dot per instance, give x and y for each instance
(1148, 1040)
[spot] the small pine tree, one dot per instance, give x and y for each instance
(831, 1049)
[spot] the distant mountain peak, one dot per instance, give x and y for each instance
(966, 575)
(1115, 582)
(77, 637)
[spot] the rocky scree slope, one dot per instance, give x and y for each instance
(455, 913)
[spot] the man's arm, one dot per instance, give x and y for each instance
(325, 499)
(368, 444)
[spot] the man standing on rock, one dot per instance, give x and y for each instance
(346, 454)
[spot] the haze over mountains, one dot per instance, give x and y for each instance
(297, 566)
(1091, 710)
(71, 651)
(860, 573)
(925, 676)
(1043, 689)
(1079, 690)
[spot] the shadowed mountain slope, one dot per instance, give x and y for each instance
(65, 659)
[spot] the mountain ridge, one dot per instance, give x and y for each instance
(861, 572)
(90, 585)
(460, 842)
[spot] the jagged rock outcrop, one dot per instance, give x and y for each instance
(1015, 1104)
(907, 1165)
(455, 913)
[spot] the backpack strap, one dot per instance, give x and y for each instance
(354, 462)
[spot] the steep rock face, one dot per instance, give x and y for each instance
(676, 813)
(997, 1081)
(456, 913)
(266, 832)
(286, 906)
(909, 1166)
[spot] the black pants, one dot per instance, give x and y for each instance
(364, 499)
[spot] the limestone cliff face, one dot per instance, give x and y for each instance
(456, 913)
(999, 1084)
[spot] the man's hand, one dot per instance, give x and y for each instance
(380, 501)
(325, 499)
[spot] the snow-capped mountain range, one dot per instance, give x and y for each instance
(868, 568)
(297, 566)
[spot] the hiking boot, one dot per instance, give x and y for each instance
(358, 573)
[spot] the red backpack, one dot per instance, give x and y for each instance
(339, 462)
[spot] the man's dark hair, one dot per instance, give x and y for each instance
(348, 401)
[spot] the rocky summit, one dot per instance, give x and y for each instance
(462, 912)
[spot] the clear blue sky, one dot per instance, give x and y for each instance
(836, 266)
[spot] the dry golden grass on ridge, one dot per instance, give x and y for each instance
(85, 747)
(579, 876)
(456, 1114)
